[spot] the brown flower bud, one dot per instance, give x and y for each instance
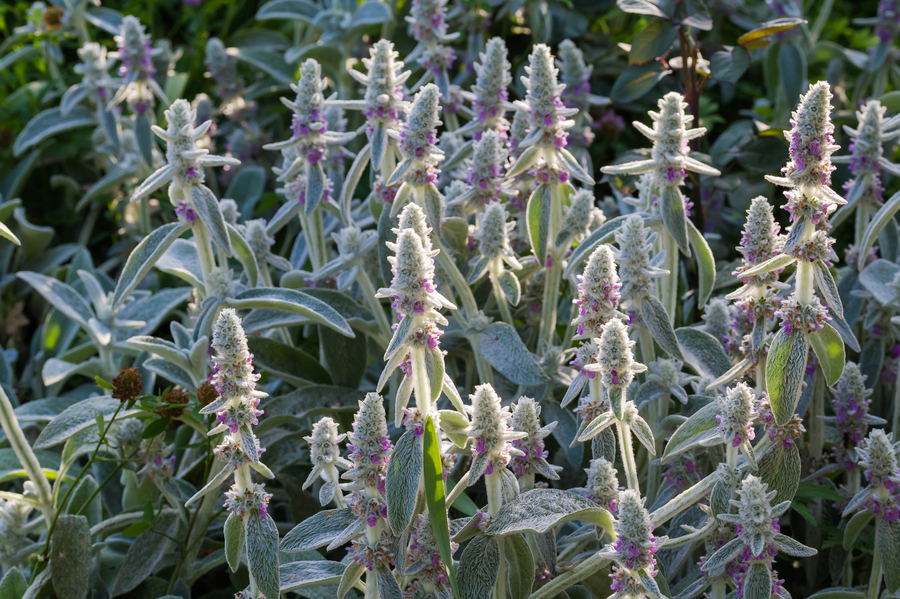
(127, 385)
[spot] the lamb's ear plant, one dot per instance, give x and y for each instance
(411, 353)
(804, 319)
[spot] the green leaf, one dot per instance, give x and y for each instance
(779, 467)
(307, 574)
(838, 593)
(829, 290)
(502, 348)
(887, 544)
(49, 123)
(653, 41)
(246, 188)
(540, 510)
(402, 483)
(785, 369)
(509, 283)
(300, 10)
(855, 526)
(155, 428)
(605, 234)
(61, 296)
(751, 40)
(244, 254)
(703, 352)
(697, 429)
(318, 530)
(80, 417)
(234, 540)
(338, 352)
(519, 566)
(295, 302)
(656, 320)
(655, 8)
(792, 68)
(758, 582)
(882, 217)
(729, 64)
(706, 264)
(5, 232)
(537, 215)
(70, 557)
(13, 585)
(210, 216)
(143, 257)
(637, 80)
(674, 216)
(286, 362)
(436, 500)
(478, 568)
(829, 348)
(145, 553)
(262, 554)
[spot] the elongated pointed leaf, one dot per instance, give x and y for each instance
(656, 319)
(262, 554)
(402, 484)
(706, 264)
(49, 123)
(881, 218)
(540, 510)
(703, 352)
(70, 557)
(478, 568)
(296, 302)
(143, 257)
(435, 498)
(519, 566)
(235, 536)
(605, 234)
(210, 214)
(785, 369)
(540, 205)
(503, 349)
(888, 547)
(829, 348)
(697, 429)
(60, 296)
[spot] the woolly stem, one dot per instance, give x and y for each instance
(505, 312)
(896, 402)
(683, 501)
(877, 569)
(627, 449)
(550, 303)
(26, 456)
(587, 567)
(205, 252)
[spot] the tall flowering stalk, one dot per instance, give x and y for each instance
(634, 551)
(543, 150)
(236, 410)
(136, 55)
(493, 245)
(666, 170)
(384, 107)
(807, 176)
(577, 77)
(757, 541)
(489, 94)
(755, 301)
(370, 450)
(304, 153)
(526, 418)
(615, 365)
(428, 25)
(196, 205)
(490, 437)
(637, 294)
(325, 456)
(415, 347)
(867, 162)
